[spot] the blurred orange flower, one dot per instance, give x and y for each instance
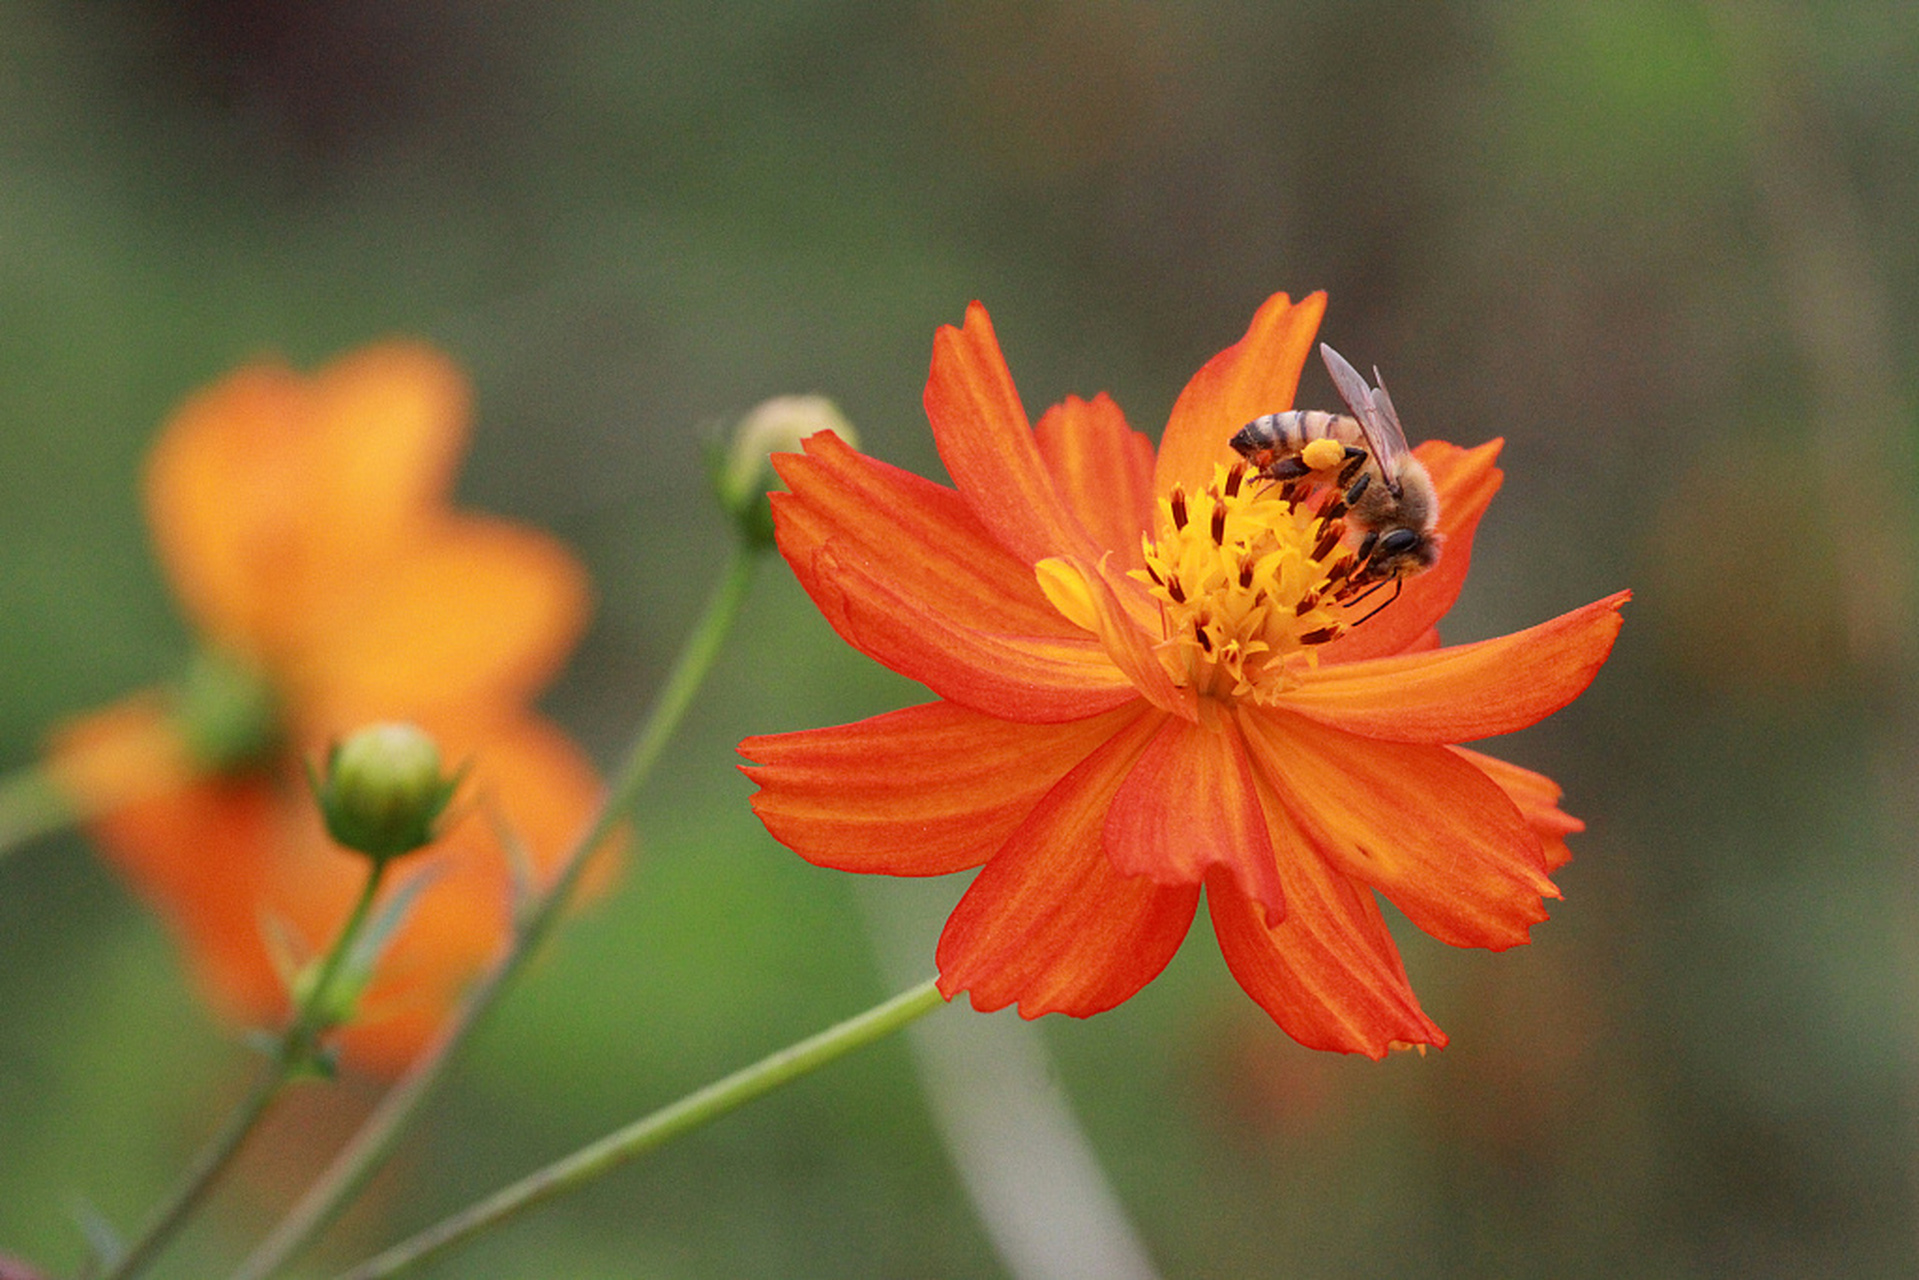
(305, 525)
(1147, 685)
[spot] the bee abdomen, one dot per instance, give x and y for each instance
(1290, 431)
(1273, 441)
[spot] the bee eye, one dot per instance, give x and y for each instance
(1396, 542)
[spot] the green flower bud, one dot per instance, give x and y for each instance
(382, 793)
(774, 426)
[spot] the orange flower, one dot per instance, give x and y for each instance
(1146, 687)
(305, 525)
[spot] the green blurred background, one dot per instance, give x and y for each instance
(1668, 250)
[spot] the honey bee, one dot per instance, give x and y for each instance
(1388, 495)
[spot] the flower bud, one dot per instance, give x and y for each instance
(382, 792)
(774, 426)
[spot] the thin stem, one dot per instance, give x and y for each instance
(31, 806)
(199, 1177)
(698, 1108)
(301, 1042)
(367, 1151)
(293, 1057)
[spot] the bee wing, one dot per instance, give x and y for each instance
(1378, 421)
(1388, 433)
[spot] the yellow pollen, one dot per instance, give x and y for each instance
(1323, 454)
(1247, 583)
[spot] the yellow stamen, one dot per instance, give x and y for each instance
(1247, 582)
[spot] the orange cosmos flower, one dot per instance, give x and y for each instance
(1148, 686)
(304, 524)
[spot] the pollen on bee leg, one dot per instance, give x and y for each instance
(1323, 454)
(1065, 589)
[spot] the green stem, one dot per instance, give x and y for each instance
(301, 1044)
(367, 1151)
(199, 1177)
(31, 806)
(294, 1057)
(701, 1107)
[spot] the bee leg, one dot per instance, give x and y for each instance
(1355, 601)
(1355, 459)
(1365, 595)
(1397, 584)
(1357, 488)
(1291, 468)
(1366, 545)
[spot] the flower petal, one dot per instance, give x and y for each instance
(477, 612)
(1092, 598)
(924, 791)
(918, 538)
(1416, 822)
(526, 776)
(1258, 374)
(1189, 806)
(1103, 470)
(1538, 799)
(225, 483)
(1466, 480)
(1033, 679)
(389, 424)
(1329, 974)
(1048, 922)
(130, 750)
(905, 573)
(983, 437)
(267, 477)
(1467, 691)
(195, 849)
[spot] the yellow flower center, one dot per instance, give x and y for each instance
(1249, 581)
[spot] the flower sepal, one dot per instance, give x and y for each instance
(226, 713)
(308, 1059)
